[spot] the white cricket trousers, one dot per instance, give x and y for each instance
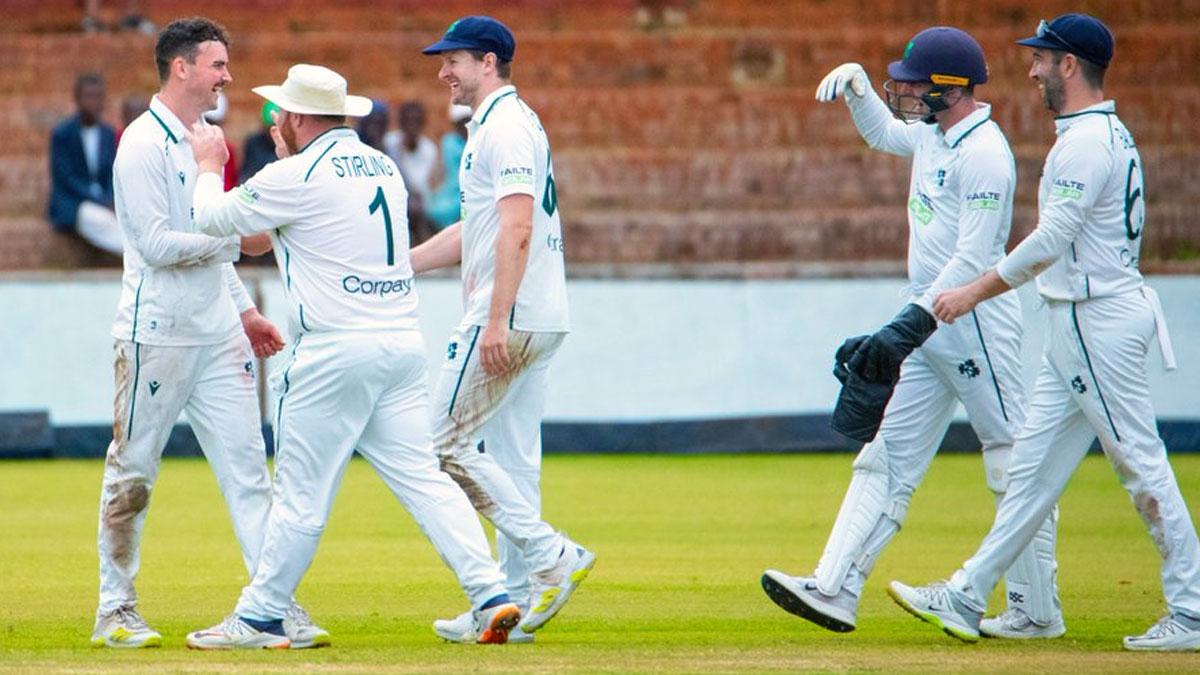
(502, 476)
(366, 390)
(1092, 383)
(976, 362)
(215, 386)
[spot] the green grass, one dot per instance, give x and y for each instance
(681, 544)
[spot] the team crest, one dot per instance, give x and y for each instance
(1078, 385)
(969, 369)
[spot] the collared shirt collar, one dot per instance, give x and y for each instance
(485, 106)
(171, 125)
(1064, 122)
(955, 134)
(330, 134)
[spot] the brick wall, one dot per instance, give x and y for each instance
(684, 131)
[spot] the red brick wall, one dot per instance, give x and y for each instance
(684, 130)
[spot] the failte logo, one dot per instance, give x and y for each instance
(453, 26)
(908, 49)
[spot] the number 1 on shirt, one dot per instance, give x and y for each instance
(381, 203)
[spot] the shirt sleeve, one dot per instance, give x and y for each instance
(147, 229)
(986, 185)
(1077, 172)
(879, 128)
(241, 299)
(265, 202)
(514, 158)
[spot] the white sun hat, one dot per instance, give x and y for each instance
(314, 90)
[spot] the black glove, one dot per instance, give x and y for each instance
(843, 354)
(860, 407)
(879, 357)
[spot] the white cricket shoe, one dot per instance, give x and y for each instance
(301, 631)
(939, 605)
(233, 633)
(1168, 635)
(553, 587)
(492, 625)
(800, 596)
(1015, 624)
(462, 629)
(124, 628)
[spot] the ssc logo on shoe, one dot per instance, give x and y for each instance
(451, 351)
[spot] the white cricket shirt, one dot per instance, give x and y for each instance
(337, 214)
(1091, 211)
(507, 153)
(178, 288)
(960, 193)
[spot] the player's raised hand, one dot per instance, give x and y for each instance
(281, 148)
(846, 77)
(208, 147)
(265, 339)
(493, 349)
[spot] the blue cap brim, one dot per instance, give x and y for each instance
(1043, 43)
(448, 45)
(900, 73)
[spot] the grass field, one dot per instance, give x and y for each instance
(681, 544)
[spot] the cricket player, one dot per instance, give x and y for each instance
(493, 382)
(1084, 254)
(179, 343)
(335, 211)
(959, 214)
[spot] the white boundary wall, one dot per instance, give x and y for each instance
(639, 350)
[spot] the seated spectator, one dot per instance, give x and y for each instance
(217, 116)
(372, 128)
(443, 206)
(417, 158)
(259, 148)
(82, 150)
(134, 19)
(132, 106)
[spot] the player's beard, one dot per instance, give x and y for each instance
(1053, 92)
(465, 94)
(289, 137)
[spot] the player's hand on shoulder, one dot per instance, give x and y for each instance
(846, 77)
(264, 338)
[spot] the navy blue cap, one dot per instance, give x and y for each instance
(480, 33)
(1080, 34)
(941, 55)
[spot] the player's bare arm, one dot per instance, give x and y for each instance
(512, 252)
(958, 301)
(442, 250)
(256, 244)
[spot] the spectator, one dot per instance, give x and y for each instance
(443, 207)
(259, 149)
(82, 150)
(132, 106)
(217, 116)
(417, 158)
(134, 19)
(372, 128)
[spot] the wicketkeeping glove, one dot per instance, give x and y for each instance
(878, 358)
(840, 370)
(848, 78)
